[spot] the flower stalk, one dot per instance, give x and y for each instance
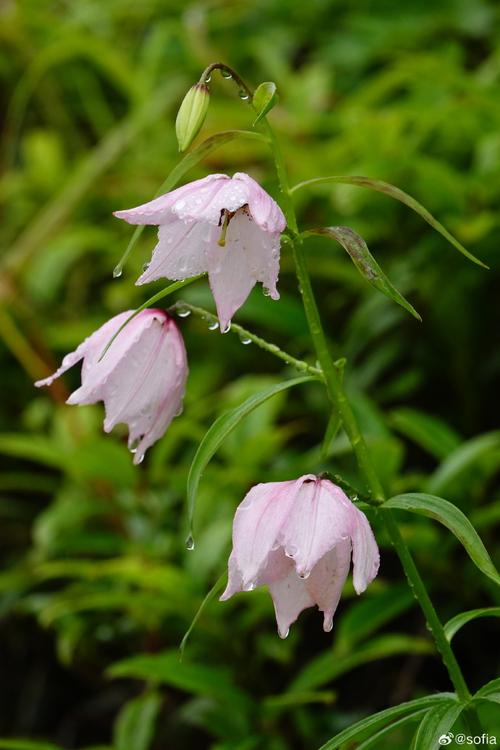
(340, 403)
(247, 337)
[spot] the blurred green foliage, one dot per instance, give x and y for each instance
(97, 588)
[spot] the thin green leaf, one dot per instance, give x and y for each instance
(457, 622)
(374, 741)
(218, 585)
(6, 744)
(450, 516)
(328, 666)
(426, 430)
(264, 99)
(489, 692)
(438, 721)
(197, 679)
(187, 163)
(471, 453)
(358, 251)
(369, 613)
(334, 424)
(383, 718)
(220, 429)
(397, 194)
(134, 728)
(170, 289)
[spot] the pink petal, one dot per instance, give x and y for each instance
(365, 554)
(143, 388)
(327, 580)
(230, 275)
(182, 202)
(262, 250)
(96, 372)
(257, 525)
(234, 579)
(290, 596)
(263, 208)
(88, 347)
(180, 252)
(317, 522)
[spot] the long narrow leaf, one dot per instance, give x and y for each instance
(399, 195)
(490, 691)
(374, 740)
(457, 622)
(377, 721)
(358, 251)
(134, 728)
(328, 666)
(218, 585)
(220, 429)
(450, 516)
(438, 721)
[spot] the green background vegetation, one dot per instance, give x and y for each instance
(97, 588)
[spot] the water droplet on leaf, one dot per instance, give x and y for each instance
(244, 96)
(190, 543)
(213, 326)
(226, 74)
(117, 272)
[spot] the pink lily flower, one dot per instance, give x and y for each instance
(141, 378)
(296, 537)
(228, 227)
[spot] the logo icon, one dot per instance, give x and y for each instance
(446, 739)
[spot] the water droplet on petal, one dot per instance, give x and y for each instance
(117, 272)
(190, 543)
(145, 267)
(284, 633)
(226, 329)
(213, 326)
(304, 574)
(266, 292)
(140, 459)
(249, 586)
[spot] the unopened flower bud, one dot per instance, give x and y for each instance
(191, 115)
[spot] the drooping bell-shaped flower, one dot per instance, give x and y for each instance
(141, 378)
(297, 538)
(228, 227)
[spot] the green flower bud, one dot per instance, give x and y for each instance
(191, 115)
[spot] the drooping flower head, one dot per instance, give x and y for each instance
(228, 227)
(141, 378)
(297, 538)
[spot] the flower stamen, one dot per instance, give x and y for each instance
(225, 223)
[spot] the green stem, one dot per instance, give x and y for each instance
(340, 403)
(420, 593)
(248, 336)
